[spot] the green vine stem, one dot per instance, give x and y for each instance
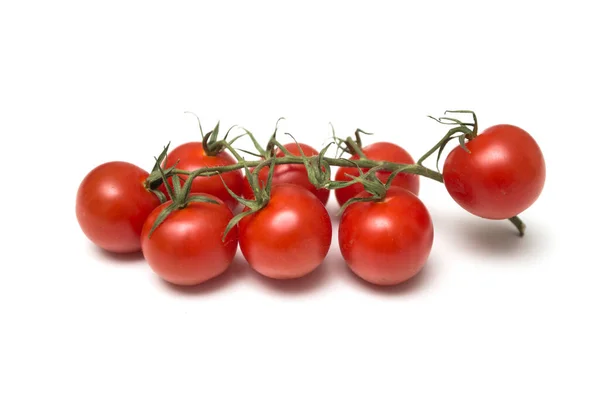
(338, 162)
(466, 131)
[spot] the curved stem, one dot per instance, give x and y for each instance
(519, 224)
(356, 147)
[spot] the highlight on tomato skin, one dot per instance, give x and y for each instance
(191, 156)
(386, 242)
(187, 247)
(289, 173)
(289, 237)
(112, 204)
(501, 175)
(379, 151)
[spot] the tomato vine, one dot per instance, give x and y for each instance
(319, 166)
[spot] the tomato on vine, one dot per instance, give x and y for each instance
(112, 204)
(186, 246)
(498, 174)
(289, 237)
(386, 241)
(380, 151)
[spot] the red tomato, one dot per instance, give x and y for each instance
(187, 248)
(191, 156)
(386, 242)
(501, 177)
(290, 173)
(112, 205)
(290, 237)
(381, 151)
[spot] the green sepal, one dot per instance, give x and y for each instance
(357, 133)
(158, 161)
(199, 124)
(267, 192)
(394, 174)
(461, 140)
(370, 182)
(257, 145)
(166, 182)
(270, 149)
(238, 198)
(447, 137)
(439, 154)
(357, 200)
(227, 133)
(201, 199)
(261, 195)
(249, 153)
(210, 144)
(473, 115)
(162, 217)
(323, 167)
(450, 121)
(232, 141)
(234, 221)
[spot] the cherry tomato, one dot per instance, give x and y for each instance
(187, 248)
(112, 205)
(502, 176)
(290, 173)
(290, 237)
(192, 156)
(380, 151)
(386, 242)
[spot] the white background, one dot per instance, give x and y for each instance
(491, 316)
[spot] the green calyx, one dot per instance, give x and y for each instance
(463, 131)
(180, 197)
(352, 146)
(372, 185)
(261, 194)
(155, 179)
(211, 143)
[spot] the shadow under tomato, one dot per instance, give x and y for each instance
(118, 258)
(497, 238)
(236, 271)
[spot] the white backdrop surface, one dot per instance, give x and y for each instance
(491, 316)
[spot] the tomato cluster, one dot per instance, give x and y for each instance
(283, 228)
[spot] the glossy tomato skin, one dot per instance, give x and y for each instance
(112, 205)
(380, 151)
(186, 249)
(192, 156)
(502, 176)
(290, 237)
(386, 242)
(290, 173)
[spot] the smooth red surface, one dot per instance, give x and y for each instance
(386, 242)
(191, 156)
(112, 205)
(290, 173)
(290, 237)
(186, 249)
(502, 176)
(380, 151)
